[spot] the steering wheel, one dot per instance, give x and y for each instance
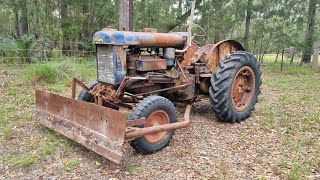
(201, 38)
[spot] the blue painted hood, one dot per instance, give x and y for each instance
(116, 38)
(141, 39)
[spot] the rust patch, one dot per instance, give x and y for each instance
(98, 128)
(190, 55)
(211, 54)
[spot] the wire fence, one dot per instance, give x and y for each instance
(27, 51)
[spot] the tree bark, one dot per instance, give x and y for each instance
(85, 27)
(254, 46)
(247, 28)
(293, 54)
(315, 61)
(277, 56)
(265, 51)
(306, 55)
(64, 26)
(16, 21)
(24, 18)
(124, 15)
(180, 12)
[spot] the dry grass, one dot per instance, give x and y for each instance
(280, 140)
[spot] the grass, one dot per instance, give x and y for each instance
(19, 160)
(130, 167)
(59, 73)
(16, 111)
(5, 126)
(71, 164)
(288, 69)
(289, 107)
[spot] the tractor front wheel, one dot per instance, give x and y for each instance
(87, 97)
(84, 95)
(158, 111)
(235, 87)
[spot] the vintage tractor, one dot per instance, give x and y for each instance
(141, 76)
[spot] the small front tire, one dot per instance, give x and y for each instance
(158, 111)
(84, 95)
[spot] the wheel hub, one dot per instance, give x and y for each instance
(243, 88)
(155, 119)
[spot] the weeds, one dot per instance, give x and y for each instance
(19, 160)
(59, 72)
(130, 167)
(5, 128)
(71, 164)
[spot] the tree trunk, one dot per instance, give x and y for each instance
(24, 18)
(170, 25)
(85, 28)
(124, 15)
(306, 55)
(180, 13)
(260, 50)
(247, 29)
(64, 26)
(315, 58)
(38, 30)
(277, 56)
(293, 54)
(16, 21)
(265, 51)
(254, 46)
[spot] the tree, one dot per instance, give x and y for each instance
(247, 28)
(24, 18)
(172, 24)
(307, 51)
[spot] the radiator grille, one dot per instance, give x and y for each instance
(105, 64)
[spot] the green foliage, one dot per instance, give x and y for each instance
(20, 160)
(23, 48)
(71, 164)
(63, 71)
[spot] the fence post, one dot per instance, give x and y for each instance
(282, 60)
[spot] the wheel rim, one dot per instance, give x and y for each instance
(243, 88)
(155, 119)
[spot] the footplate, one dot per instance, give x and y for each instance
(98, 128)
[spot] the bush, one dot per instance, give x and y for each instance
(23, 49)
(63, 71)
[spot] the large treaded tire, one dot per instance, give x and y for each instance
(84, 95)
(220, 91)
(145, 108)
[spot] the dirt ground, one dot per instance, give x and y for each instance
(279, 141)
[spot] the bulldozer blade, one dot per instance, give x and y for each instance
(98, 128)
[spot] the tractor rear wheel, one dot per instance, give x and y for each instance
(235, 87)
(158, 111)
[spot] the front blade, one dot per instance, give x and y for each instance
(98, 128)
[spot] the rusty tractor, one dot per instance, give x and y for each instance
(141, 76)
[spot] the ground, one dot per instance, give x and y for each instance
(279, 141)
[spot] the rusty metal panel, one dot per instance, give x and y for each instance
(151, 64)
(148, 39)
(190, 55)
(211, 54)
(98, 128)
